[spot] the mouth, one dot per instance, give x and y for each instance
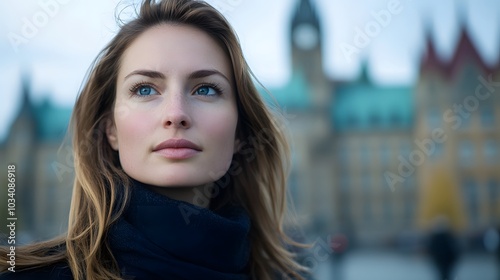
(177, 149)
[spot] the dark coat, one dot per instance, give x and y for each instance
(161, 238)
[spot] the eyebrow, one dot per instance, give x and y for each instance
(205, 73)
(195, 75)
(147, 73)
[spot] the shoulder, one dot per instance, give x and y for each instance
(60, 271)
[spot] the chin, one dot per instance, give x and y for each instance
(175, 181)
(173, 176)
(177, 184)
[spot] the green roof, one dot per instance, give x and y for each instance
(367, 106)
(294, 95)
(51, 121)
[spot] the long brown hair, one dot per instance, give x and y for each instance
(101, 187)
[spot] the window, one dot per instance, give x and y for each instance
(438, 151)
(385, 153)
(409, 211)
(366, 181)
(468, 83)
(470, 195)
(410, 182)
(494, 194)
(388, 212)
(466, 120)
(490, 151)
(343, 153)
(395, 119)
(488, 117)
(367, 209)
(374, 120)
(345, 182)
(432, 92)
(433, 118)
(405, 149)
(466, 153)
(352, 121)
(431, 88)
(293, 186)
(365, 154)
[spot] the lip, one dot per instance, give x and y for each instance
(177, 149)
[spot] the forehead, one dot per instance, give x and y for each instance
(173, 48)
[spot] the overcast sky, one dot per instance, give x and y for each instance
(54, 41)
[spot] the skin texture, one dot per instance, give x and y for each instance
(161, 95)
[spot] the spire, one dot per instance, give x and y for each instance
(466, 51)
(364, 75)
(430, 58)
(26, 107)
(25, 119)
(305, 13)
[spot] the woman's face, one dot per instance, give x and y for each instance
(175, 112)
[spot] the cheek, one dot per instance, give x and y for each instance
(220, 129)
(131, 128)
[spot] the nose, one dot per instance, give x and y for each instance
(176, 112)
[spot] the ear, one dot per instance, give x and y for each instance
(111, 134)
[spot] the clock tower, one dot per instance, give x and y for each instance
(307, 59)
(312, 129)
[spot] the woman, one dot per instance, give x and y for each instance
(180, 166)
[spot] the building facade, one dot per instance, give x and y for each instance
(376, 162)
(35, 146)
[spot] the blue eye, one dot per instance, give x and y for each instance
(145, 90)
(206, 90)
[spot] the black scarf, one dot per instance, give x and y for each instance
(162, 238)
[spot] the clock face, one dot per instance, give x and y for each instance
(306, 37)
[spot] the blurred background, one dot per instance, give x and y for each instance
(393, 107)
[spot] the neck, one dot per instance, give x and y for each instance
(199, 196)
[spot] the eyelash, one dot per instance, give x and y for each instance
(218, 89)
(133, 89)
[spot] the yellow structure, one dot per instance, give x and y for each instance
(458, 117)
